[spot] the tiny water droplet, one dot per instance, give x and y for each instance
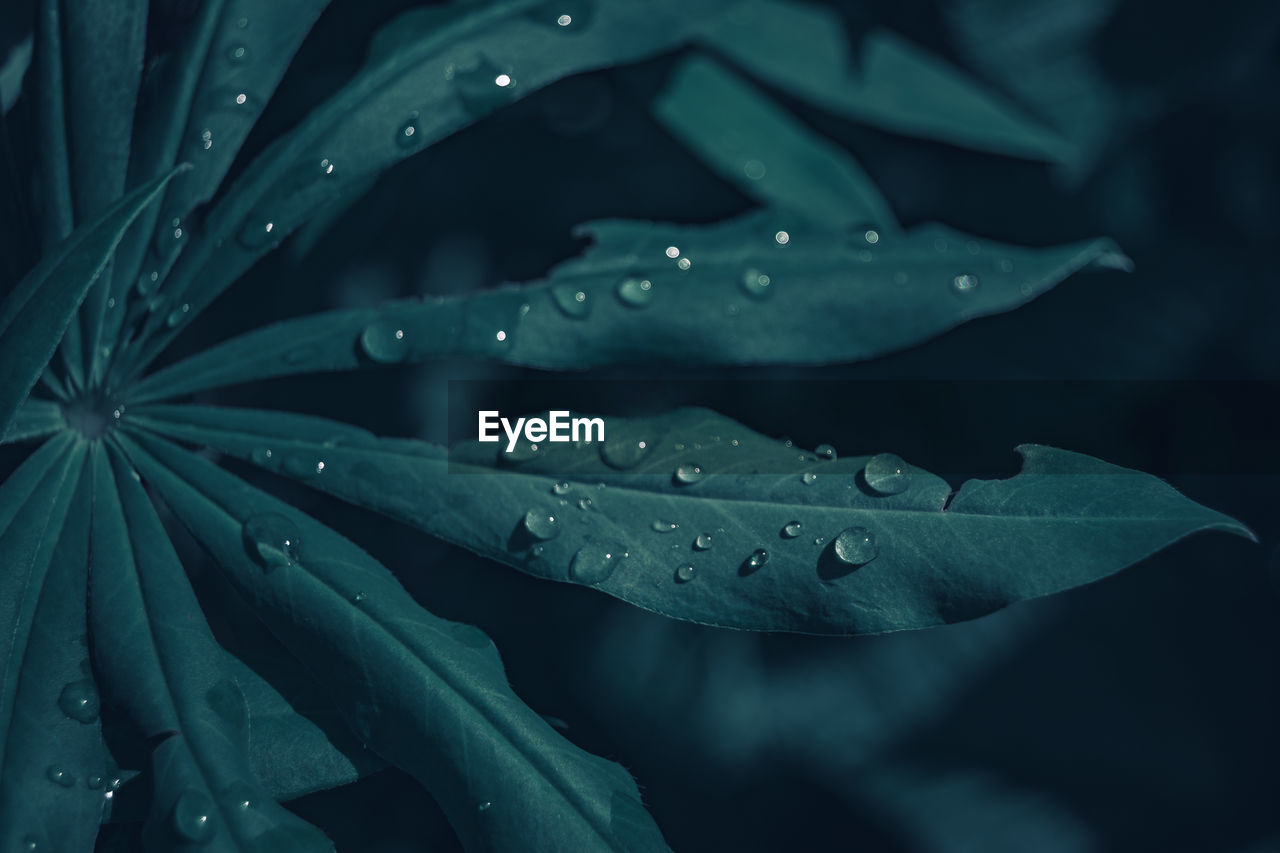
(237, 53)
(272, 539)
(871, 236)
(261, 455)
(688, 474)
(79, 701)
(809, 478)
(673, 252)
(385, 342)
(541, 524)
(59, 776)
(176, 315)
(239, 796)
(206, 139)
(635, 292)
(757, 284)
(407, 135)
(1004, 265)
(782, 238)
(887, 474)
(192, 817)
(257, 232)
(758, 558)
(561, 489)
(684, 263)
(965, 283)
(571, 301)
(754, 169)
(625, 447)
(664, 526)
(94, 782)
(702, 542)
(564, 16)
(483, 85)
(685, 573)
(791, 529)
(584, 503)
(596, 561)
(484, 807)
(825, 451)
(359, 597)
(819, 540)
(856, 546)
(147, 282)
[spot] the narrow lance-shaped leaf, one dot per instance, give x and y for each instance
(431, 72)
(756, 145)
(891, 83)
(203, 100)
(694, 516)
(765, 288)
(35, 419)
(53, 762)
(39, 309)
(427, 694)
(154, 649)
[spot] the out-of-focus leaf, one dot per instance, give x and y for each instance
(154, 649)
(34, 419)
(892, 83)
(53, 762)
(696, 517)
(754, 144)
(432, 72)
(429, 695)
(766, 288)
(39, 309)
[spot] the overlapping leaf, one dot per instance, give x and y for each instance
(427, 694)
(696, 517)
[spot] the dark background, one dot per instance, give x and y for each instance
(1138, 713)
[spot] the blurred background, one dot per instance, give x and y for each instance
(1138, 713)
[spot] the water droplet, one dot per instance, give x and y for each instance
(177, 314)
(688, 474)
(685, 573)
(237, 53)
(192, 817)
(571, 301)
(385, 342)
(825, 451)
(30, 842)
(1004, 265)
(147, 282)
(239, 796)
(809, 478)
(359, 597)
(635, 292)
(565, 16)
(782, 238)
(673, 252)
(94, 782)
(206, 139)
(819, 540)
(757, 284)
(791, 529)
(584, 503)
(887, 474)
(664, 526)
(596, 561)
(625, 447)
(856, 546)
(758, 558)
(684, 263)
(407, 135)
(702, 542)
(871, 236)
(261, 455)
(541, 524)
(483, 85)
(561, 489)
(59, 776)
(522, 452)
(257, 232)
(966, 283)
(753, 169)
(272, 539)
(485, 806)
(79, 701)
(500, 335)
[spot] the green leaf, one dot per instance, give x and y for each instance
(52, 757)
(433, 75)
(893, 84)
(153, 647)
(39, 309)
(34, 419)
(746, 298)
(871, 551)
(756, 145)
(427, 694)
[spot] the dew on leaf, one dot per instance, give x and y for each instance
(758, 558)
(964, 283)
(687, 474)
(541, 524)
(483, 85)
(791, 529)
(561, 488)
(685, 573)
(257, 232)
(684, 263)
(886, 474)
(625, 446)
(272, 539)
(809, 478)
(596, 561)
(407, 135)
(856, 546)
(176, 315)
(79, 701)
(664, 526)
(192, 817)
(782, 238)
(702, 542)
(385, 342)
(59, 776)
(757, 284)
(635, 292)
(825, 451)
(571, 301)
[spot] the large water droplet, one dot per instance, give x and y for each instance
(571, 300)
(856, 546)
(79, 701)
(483, 85)
(757, 284)
(596, 561)
(685, 573)
(688, 474)
(385, 342)
(193, 818)
(887, 474)
(59, 776)
(635, 292)
(665, 526)
(541, 524)
(791, 529)
(758, 558)
(825, 451)
(966, 283)
(272, 539)
(702, 542)
(626, 446)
